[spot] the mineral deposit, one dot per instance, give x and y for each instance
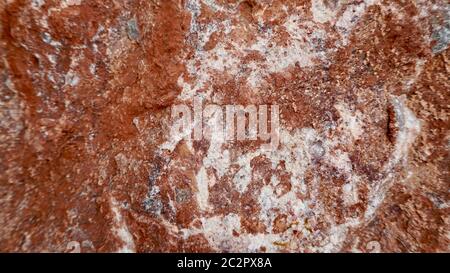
(88, 162)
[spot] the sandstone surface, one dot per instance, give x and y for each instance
(88, 162)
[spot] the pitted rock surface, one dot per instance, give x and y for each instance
(88, 162)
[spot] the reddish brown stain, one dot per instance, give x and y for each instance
(85, 97)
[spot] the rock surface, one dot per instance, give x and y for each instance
(88, 163)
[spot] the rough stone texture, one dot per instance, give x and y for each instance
(88, 163)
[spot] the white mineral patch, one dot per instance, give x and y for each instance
(203, 189)
(340, 160)
(216, 157)
(352, 120)
(121, 229)
(176, 136)
(322, 12)
(243, 177)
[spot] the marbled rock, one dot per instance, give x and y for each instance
(90, 162)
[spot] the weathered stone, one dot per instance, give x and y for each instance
(89, 161)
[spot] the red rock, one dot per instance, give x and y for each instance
(89, 162)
